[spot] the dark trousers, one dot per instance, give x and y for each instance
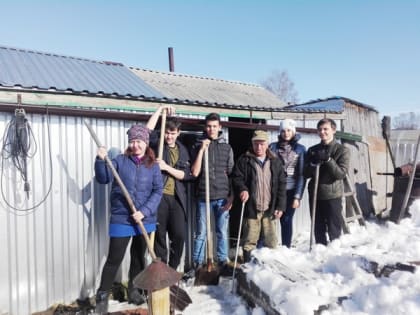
(286, 220)
(328, 219)
(117, 248)
(171, 221)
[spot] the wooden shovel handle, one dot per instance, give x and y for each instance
(162, 133)
(313, 210)
(208, 218)
(124, 191)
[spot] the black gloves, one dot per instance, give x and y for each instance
(320, 156)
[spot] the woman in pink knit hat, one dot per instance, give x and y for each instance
(141, 176)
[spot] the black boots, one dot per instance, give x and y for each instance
(119, 292)
(247, 256)
(101, 307)
(135, 295)
(191, 273)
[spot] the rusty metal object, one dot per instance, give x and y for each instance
(179, 298)
(405, 170)
(401, 202)
(209, 274)
(156, 276)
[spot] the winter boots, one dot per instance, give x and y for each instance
(101, 307)
(247, 256)
(119, 292)
(135, 295)
(191, 273)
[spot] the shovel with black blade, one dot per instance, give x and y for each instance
(208, 274)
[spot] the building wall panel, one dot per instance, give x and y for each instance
(56, 240)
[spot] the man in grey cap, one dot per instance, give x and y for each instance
(259, 178)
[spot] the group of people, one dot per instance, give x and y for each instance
(268, 179)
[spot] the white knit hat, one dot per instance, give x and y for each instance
(288, 124)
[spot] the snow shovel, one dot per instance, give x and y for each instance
(209, 273)
(179, 298)
(237, 246)
(313, 210)
(156, 276)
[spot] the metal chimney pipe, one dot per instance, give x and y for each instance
(171, 59)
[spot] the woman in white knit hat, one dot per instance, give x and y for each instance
(292, 154)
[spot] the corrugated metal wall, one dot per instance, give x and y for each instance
(301, 219)
(404, 152)
(403, 145)
(56, 240)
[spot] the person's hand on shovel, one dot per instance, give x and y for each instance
(205, 145)
(138, 216)
(278, 213)
(162, 164)
(244, 196)
(101, 153)
(170, 110)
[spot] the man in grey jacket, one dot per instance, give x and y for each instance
(333, 159)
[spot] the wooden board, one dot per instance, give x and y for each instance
(380, 162)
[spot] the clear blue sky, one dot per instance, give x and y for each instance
(361, 49)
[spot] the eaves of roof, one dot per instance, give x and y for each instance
(334, 103)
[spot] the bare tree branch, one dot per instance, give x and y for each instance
(282, 86)
(407, 121)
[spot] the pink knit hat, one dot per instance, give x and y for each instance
(138, 132)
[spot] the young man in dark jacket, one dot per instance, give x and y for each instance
(333, 159)
(175, 167)
(260, 180)
(220, 167)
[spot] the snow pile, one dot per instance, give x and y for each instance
(356, 274)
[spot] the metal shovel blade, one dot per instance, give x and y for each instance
(208, 274)
(156, 276)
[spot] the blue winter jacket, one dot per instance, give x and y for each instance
(144, 184)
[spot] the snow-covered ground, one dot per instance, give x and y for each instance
(299, 281)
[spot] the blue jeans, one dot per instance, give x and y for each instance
(222, 221)
(286, 220)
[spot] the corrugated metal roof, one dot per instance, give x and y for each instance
(45, 71)
(335, 105)
(28, 69)
(332, 104)
(196, 90)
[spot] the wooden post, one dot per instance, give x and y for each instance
(159, 303)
